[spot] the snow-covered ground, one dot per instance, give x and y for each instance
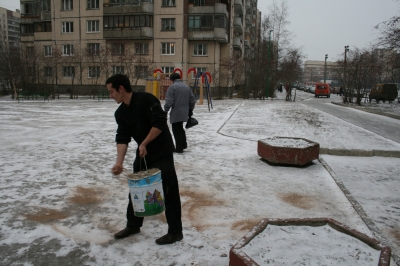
(60, 204)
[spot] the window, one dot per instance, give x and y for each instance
(94, 48)
(168, 2)
(42, 26)
(26, 29)
(201, 22)
(128, 21)
(66, 4)
(118, 70)
(118, 48)
(48, 50)
(48, 71)
(46, 5)
(30, 51)
(141, 71)
(141, 48)
(167, 69)
(30, 71)
(68, 49)
(93, 26)
(199, 2)
(198, 70)
(67, 27)
(93, 4)
(167, 24)
(94, 71)
(68, 72)
(200, 49)
(168, 48)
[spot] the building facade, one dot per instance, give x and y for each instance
(9, 26)
(84, 42)
(314, 71)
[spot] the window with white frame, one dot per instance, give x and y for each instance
(93, 4)
(167, 24)
(141, 48)
(48, 71)
(94, 71)
(200, 49)
(168, 2)
(118, 49)
(167, 69)
(48, 50)
(198, 69)
(93, 48)
(68, 71)
(118, 70)
(67, 27)
(168, 48)
(68, 49)
(141, 71)
(93, 26)
(67, 4)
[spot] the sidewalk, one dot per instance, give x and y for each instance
(61, 206)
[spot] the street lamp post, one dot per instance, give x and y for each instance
(326, 57)
(269, 64)
(346, 49)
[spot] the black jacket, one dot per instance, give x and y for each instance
(136, 120)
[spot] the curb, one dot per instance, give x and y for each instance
(359, 209)
(359, 153)
(368, 111)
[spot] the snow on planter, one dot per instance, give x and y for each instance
(288, 150)
(315, 241)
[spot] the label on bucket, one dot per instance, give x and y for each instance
(147, 195)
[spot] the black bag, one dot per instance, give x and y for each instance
(191, 122)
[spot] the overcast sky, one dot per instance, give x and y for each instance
(324, 26)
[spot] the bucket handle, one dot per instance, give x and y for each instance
(140, 164)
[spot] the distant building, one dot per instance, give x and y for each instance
(314, 71)
(9, 27)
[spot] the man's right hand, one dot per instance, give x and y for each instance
(117, 169)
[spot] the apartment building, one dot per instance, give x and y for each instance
(84, 42)
(314, 71)
(9, 27)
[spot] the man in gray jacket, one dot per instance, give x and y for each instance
(181, 101)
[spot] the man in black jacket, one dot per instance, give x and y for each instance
(141, 117)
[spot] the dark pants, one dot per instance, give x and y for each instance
(179, 135)
(171, 195)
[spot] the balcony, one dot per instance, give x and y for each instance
(246, 44)
(218, 8)
(45, 16)
(238, 7)
(249, 8)
(237, 43)
(143, 33)
(248, 19)
(238, 25)
(43, 36)
(217, 34)
(124, 8)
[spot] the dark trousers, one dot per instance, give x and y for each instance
(171, 195)
(179, 135)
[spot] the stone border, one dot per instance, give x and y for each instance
(359, 152)
(238, 258)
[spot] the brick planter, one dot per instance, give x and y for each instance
(237, 257)
(296, 151)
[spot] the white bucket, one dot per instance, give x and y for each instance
(146, 192)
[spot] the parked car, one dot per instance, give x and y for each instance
(335, 90)
(384, 92)
(312, 89)
(322, 89)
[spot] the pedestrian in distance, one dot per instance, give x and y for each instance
(181, 101)
(141, 117)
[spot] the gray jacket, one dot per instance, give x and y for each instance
(180, 99)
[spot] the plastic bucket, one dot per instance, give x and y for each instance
(146, 192)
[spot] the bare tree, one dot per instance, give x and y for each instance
(389, 33)
(9, 63)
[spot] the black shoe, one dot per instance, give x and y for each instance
(127, 232)
(179, 151)
(169, 239)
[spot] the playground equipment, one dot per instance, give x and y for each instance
(159, 86)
